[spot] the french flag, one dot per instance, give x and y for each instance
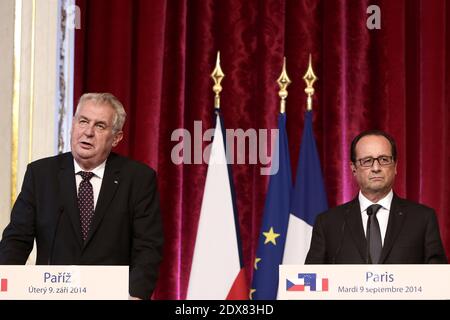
(3, 285)
(308, 199)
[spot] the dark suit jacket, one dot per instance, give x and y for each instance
(412, 236)
(126, 228)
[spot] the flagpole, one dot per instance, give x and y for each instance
(272, 237)
(309, 78)
(283, 81)
(217, 75)
(309, 197)
(217, 270)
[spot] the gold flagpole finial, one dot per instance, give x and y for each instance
(217, 75)
(309, 78)
(283, 81)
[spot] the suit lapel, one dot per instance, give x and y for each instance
(68, 192)
(108, 189)
(395, 223)
(354, 222)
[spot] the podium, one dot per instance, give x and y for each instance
(364, 282)
(48, 282)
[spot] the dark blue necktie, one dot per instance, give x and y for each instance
(85, 202)
(373, 234)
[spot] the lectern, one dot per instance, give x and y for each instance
(48, 282)
(364, 282)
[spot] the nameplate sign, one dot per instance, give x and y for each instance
(63, 282)
(364, 282)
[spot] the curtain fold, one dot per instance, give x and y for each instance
(157, 56)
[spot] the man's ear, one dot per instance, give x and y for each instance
(117, 137)
(353, 167)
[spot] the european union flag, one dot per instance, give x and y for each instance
(275, 219)
(308, 198)
(309, 280)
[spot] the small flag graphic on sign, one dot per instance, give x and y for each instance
(3, 285)
(307, 280)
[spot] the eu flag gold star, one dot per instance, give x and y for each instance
(256, 263)
(252, 291)
(271, 236)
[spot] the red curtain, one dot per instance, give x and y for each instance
(156, 57)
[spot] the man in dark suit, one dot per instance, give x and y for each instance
(90, 206)
(377, 226)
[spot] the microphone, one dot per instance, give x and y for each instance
(341, 240)
(52, 246)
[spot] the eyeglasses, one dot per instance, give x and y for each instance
(382, 161)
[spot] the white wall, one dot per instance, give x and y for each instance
(6, 97)
(29, 58)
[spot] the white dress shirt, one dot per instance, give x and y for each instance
(382, 214)
(96, 180)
